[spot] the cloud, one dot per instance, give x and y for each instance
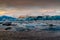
(31, 12)
(17, 3)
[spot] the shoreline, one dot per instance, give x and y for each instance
(43, 35)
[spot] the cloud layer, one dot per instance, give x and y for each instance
(29, 7)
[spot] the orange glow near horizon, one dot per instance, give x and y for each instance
(2, 12)
(47, 10)
(25, 12)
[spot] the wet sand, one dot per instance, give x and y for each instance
(31, 35)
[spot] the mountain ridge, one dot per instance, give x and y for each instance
(9, 18)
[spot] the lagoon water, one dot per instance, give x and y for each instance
(40, 28)
(34, 25)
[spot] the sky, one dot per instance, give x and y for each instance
(18, 8)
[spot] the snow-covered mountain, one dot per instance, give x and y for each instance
(9, 18)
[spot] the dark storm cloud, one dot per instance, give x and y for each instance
(29, 2)
(32, 7)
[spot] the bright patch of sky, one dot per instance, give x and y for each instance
(29, 11)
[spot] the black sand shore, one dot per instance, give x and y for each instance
(44, 35)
